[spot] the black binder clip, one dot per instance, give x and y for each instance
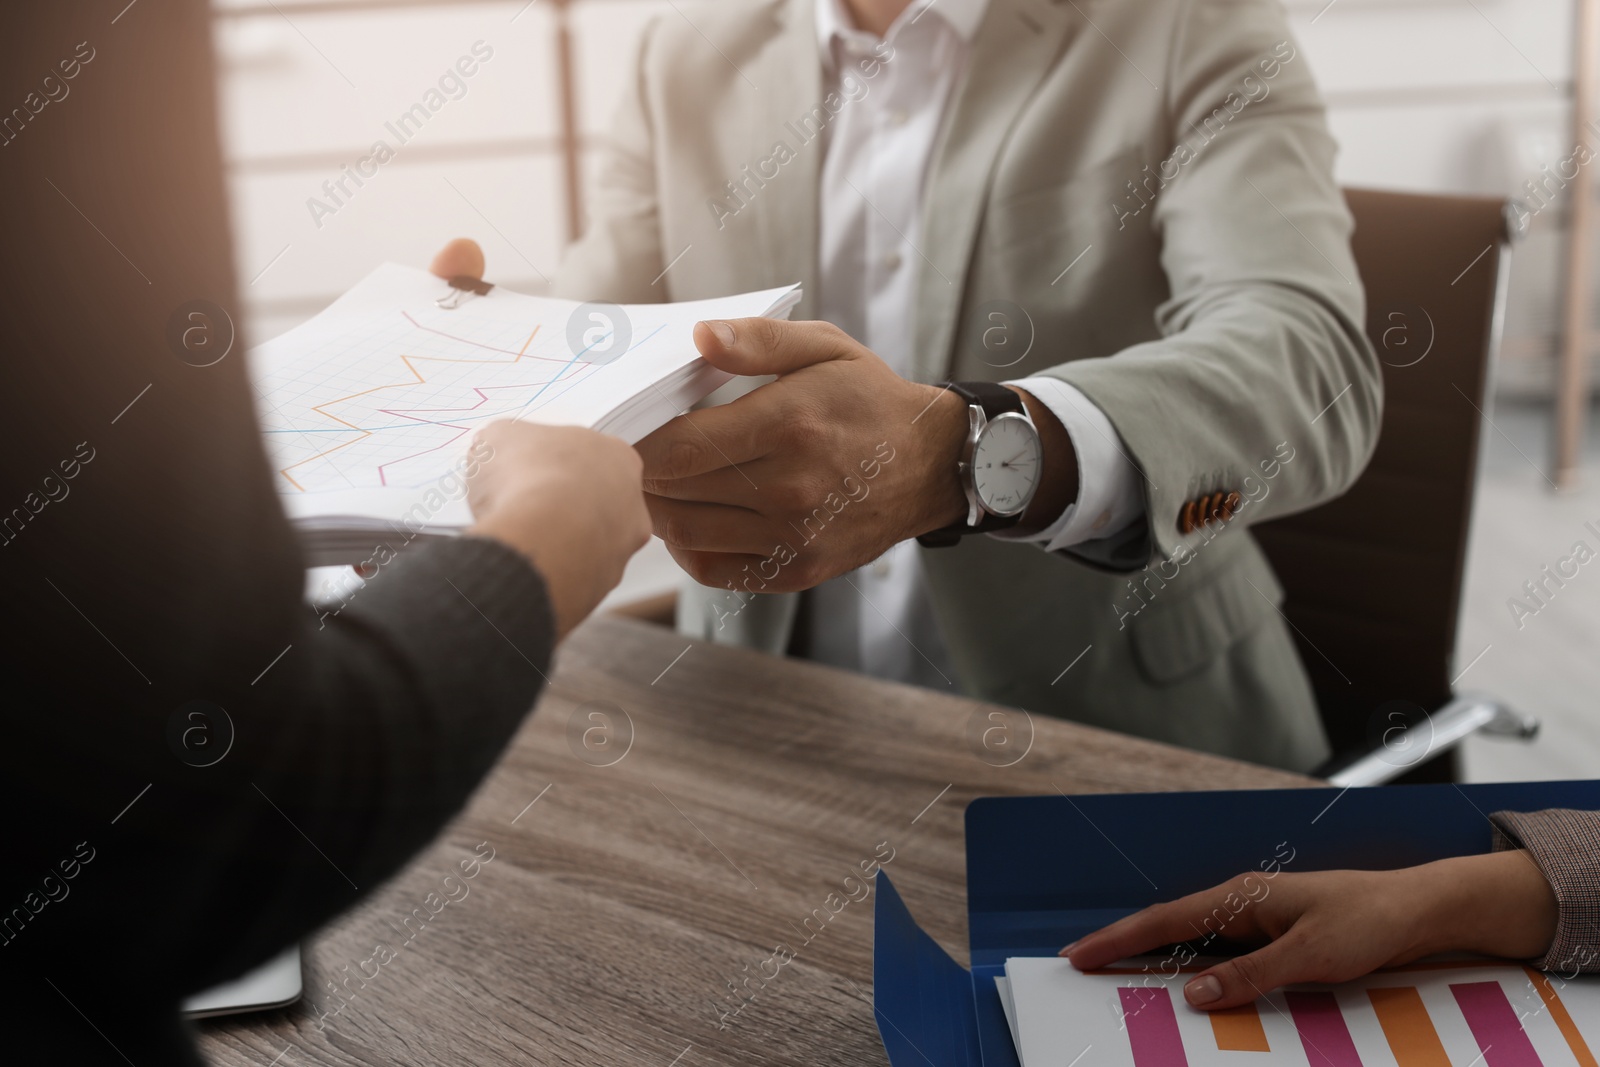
(460, 287)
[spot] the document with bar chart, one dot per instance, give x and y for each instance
(1465, 1013)
(369, 408)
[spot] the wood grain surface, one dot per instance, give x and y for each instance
(647, 863)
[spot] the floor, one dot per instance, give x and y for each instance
(1544, 660)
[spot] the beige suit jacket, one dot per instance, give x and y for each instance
(1174, 154)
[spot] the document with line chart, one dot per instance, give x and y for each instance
(1454, 1013)
(369, 407)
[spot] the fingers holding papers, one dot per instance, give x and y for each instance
(566, 498)
(809, 476)
(461, 258)
(698, 443)
(772, 346)
(693, 526)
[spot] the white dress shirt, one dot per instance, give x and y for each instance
(877, 151)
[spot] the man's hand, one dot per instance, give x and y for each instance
(810, 476)
(566, 498)
(815, 474)
(1332, 926)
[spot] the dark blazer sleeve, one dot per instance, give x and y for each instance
(146, 568)
(1566, 846)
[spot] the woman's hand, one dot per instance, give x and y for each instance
(1332, 926)
(568, 499)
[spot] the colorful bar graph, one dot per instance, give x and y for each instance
(1322, 1030)
(1412, 1032)
(1239, 1030)
(1152, 1028)
(1563, 1017)
(1405, 1022)
(1494, 1025)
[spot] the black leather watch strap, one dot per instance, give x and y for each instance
(945, 536)
(994, 400)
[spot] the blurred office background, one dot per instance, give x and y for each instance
(1454, 96)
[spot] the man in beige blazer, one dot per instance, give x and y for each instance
(1126, 210)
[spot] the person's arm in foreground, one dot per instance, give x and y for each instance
(1533, 899)
(147, 564)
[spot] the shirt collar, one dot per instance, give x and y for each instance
(834, 21)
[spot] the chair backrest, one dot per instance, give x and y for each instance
(1373, 579)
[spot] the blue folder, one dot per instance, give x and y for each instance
(1044, 871)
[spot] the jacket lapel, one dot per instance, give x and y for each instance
(788, 77)
(1011, 52)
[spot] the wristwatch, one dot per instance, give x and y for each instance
(999, 465)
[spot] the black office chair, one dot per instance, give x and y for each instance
(1373, 579)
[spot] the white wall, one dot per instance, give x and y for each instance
(308, 86)
(1457, 96)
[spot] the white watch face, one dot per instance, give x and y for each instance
(1005, 464)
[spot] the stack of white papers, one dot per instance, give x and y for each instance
(1433, 1013)
(369, 408)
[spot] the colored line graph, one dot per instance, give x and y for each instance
(520, 354)
(382, 389)
(569, 372)
(417, 378)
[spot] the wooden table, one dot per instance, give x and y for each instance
(634, 885)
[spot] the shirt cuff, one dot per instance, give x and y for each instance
(1110, 496)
